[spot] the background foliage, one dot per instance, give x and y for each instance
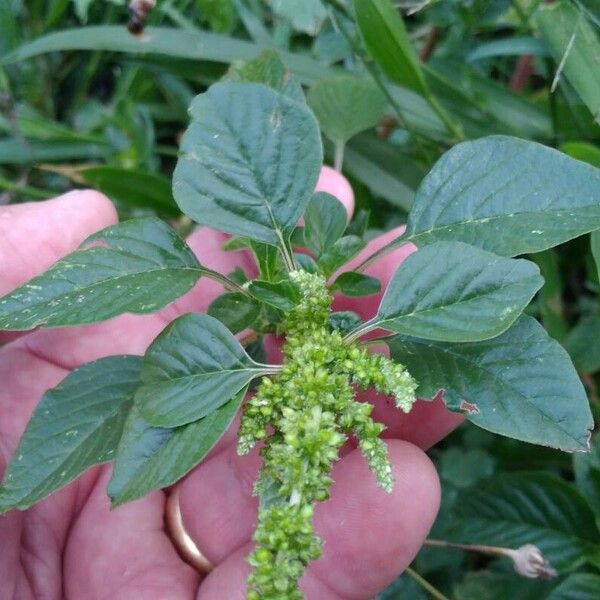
(85, 103)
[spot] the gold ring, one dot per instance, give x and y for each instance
(181, 539)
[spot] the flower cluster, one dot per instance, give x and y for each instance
(304, 414)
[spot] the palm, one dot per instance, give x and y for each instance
(71, 544)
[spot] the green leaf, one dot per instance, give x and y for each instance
(385, 37)
(340, 253)
(582, 151)
(528, 508)
(283, 295)
(579, 586)
(521, 384)
(506, 195)
(150, 458)
(587, 475)
(384, 169)
(250, 161)
(192, 368)
(268, 68)
(493, 585)
(356, 284)
(76, 425)
(168, 41)
(450, 291)
(463, 468)
(134, 188)
(510, 46)
(236, 311)
(325, 221)
(268, 259)
(344, 321)
(345, 105)
(304, 15)
(575, 47)
(141, 267)
(582, 344)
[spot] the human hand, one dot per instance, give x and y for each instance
(72, 545)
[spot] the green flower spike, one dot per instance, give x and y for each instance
(304, 414)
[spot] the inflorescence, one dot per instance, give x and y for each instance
(304, 415)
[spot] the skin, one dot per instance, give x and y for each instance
(71, 545)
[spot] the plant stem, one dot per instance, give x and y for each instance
(27, 190)
(359, 331)
(338, 158)
(432, 591)
(497, 550)
(227, 283)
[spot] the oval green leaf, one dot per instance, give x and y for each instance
(76, 425)
(142, 266)
(521, 384)
(194, 366)
(453, 292)
(149, 458)
(506, 195)
(345, 105)
(528, 508)
(325, 221)
(250, 161)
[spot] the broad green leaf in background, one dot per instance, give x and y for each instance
(521, 384)
(150, 458)
(356, 284)
(141, 267)
(346, 105)
(268, 68)
(192, 368)
(384, 169)
(587, 475)
(528, 508)
(500, 585)
(76, 425)
(236, 311)
(463, 468)
(450, 291)
(304, 15)
(582, 344)
(575, 46)
(325, 221)
(385, 37)
(283, 295)
(506, 195)
(578, 586)
(250, 161)
(132, 187)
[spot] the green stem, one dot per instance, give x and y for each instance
(227, 283)
(359, 331)
(26, 190)
(453, 128)
(432, 591)
(338, 157)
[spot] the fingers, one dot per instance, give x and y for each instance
(370, 536)
(124, 553)
(34, 235)
(334, 183)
